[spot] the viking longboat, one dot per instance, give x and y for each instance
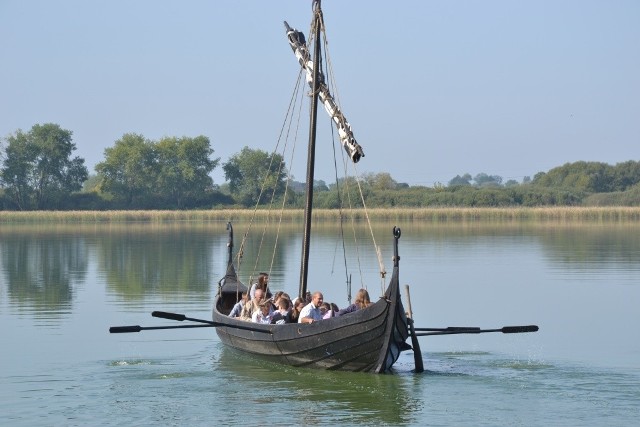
(368, 340)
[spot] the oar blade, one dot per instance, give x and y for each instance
(170, 316)
(124, 329)
(519, 329)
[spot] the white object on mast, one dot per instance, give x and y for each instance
(299, 47)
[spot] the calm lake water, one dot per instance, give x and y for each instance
(62, 286)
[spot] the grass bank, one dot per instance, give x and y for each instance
(561, 214)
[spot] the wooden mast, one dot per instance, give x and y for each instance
(304, 268)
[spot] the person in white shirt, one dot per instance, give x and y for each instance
(264, 314)
(311, 312)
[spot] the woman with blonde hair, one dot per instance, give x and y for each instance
(362, 301)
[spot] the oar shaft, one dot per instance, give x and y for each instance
(181, 317)
(504, 330)
(450, 328)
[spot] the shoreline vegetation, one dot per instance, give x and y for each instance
(435, 215)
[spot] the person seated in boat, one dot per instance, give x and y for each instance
(253, 305)
(335, 309)
(275, 299)
(237, 308)
(311, 312)
(296, 307)
(329, 310)
(362, 301)
(263, 313)
(286, 296)
(282, 314)
(325, 310)
(262, 283)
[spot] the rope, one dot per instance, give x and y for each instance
(289, 176)
(336, 96)
(383, 271)
(286, 120)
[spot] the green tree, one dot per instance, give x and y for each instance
(592, 177)
(129, 171)
(320, 185)
(92, 184)
(184, 167)
(460, 180)
(484, 180)
(625, 175)
(380, 181)
(37, 171)
(252, 173)
(170, 173)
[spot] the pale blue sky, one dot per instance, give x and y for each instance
(432, 89)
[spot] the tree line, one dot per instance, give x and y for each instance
(38, 172)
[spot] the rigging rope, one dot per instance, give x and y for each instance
(335, 92)
(292, 104)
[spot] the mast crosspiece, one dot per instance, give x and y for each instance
(299, 47)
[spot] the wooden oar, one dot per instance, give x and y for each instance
(417, 354)
(181, 317)
(138, 328)
(504, 330)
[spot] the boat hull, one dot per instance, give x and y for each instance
(368, 340)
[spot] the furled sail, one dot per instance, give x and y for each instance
(299, 47)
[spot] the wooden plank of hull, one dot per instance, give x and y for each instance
(368, 340)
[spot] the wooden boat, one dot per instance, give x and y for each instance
(368, 340)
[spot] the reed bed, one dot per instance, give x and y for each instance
(555, 214)
(558, 214)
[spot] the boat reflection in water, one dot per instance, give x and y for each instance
(367, 399)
